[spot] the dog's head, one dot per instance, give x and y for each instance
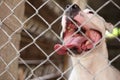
(82, 30)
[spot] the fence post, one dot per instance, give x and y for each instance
(8, 53)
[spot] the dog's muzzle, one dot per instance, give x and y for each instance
(76, 38)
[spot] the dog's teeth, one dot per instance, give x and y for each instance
(68, 28)
(88, 42)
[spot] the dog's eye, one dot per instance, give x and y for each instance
(91, 12)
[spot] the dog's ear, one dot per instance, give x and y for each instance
(109, 26)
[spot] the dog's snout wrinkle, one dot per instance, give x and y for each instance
(91, 12)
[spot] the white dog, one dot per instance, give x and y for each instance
(83, 34)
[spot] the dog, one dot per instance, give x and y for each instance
(83, 34)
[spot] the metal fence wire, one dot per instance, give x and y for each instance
(29, 29)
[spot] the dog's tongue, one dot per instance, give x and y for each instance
(72, 43)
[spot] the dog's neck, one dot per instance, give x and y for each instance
(98, 56)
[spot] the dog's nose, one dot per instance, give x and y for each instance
(73, 10)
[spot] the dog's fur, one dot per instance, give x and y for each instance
(94, 65)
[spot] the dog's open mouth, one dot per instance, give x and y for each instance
(78, 40)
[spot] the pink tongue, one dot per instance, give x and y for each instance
(74, 42)
(61, 49)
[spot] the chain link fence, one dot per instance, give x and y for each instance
(29, 30)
